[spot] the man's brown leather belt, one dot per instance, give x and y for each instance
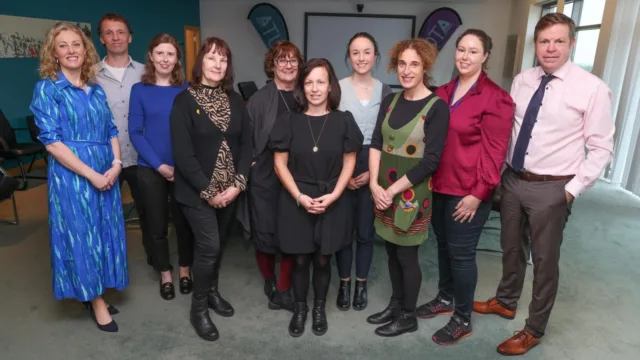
(528, 176)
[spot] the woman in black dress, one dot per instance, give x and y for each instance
(315, 153)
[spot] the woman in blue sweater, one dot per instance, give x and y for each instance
(149, 109)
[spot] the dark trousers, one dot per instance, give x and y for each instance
(211, 228)
(130, 175)
(157, 196)
(363, 218)
(405, 274)
(457, 244)
(363, 221)
(544, 206)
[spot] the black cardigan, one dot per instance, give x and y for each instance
(263, 110)
(195, 142)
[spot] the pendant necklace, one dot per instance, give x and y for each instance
(315, 142)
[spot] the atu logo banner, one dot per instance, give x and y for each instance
(269, 23)
(440, 25)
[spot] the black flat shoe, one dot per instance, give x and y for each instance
(360, 295)
(343, 301)
(186, 285)
(112, 309)
(387, 315)
(167, 291)
(405, 323)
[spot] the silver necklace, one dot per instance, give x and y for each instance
(283, 100)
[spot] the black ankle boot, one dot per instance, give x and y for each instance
(404, 323)
(282, 300)
(296, 326)
(343, 302)
(360, 295)
(217, 303)
(319, 325)
(387, 315)
(205, 328)
(270, 287)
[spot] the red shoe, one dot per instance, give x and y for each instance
(518, 344)
(492, 306)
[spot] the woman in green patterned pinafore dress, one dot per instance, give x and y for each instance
(406, 221)
(405, 151)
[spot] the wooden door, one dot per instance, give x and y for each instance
(191, 47)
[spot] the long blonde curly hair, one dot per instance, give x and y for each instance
(49, 65)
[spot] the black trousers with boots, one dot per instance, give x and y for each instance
(211, 228)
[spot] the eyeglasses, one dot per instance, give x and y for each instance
(282, 62)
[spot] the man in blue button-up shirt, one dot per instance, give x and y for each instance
(117, 73)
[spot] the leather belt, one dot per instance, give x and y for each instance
(529, 176)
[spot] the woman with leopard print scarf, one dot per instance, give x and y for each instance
(212, 148)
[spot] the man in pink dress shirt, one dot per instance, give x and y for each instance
(561, 109)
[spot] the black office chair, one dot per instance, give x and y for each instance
(34, 132)
(247, 89)
(495, 206)
(10, 149)
(8, 185)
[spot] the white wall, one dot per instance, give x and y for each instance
(228, 19)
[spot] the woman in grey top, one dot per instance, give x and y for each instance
(361, 95)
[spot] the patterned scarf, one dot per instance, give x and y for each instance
(215, 102)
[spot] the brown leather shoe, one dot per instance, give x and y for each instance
(492, 306)
(519, 344)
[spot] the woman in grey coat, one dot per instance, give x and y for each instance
(275, 100)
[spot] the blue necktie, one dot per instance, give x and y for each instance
(529, 120)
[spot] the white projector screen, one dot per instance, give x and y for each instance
(327, 36)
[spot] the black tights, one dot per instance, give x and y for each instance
(405, 273)
(321, 276)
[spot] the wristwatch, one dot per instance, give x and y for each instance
(116, 161)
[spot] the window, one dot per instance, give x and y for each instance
(587, 15)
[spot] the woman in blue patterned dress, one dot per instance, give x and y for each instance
(86, 225)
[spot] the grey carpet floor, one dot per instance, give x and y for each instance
(595, 316)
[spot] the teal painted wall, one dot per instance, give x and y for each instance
(147, 18)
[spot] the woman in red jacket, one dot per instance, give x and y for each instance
(470, 167)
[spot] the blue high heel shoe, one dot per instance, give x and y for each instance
(110, 327)
(112, 309)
